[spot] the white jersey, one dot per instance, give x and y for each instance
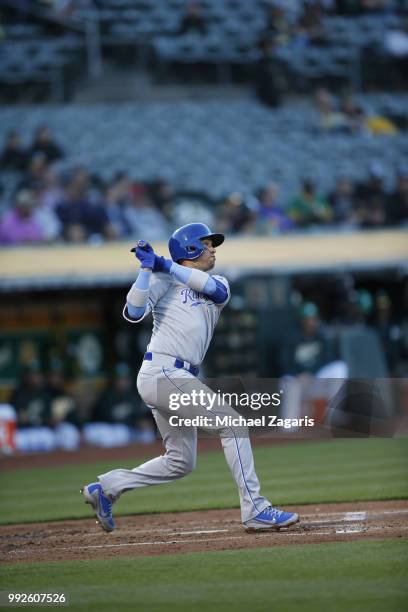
(183, 319)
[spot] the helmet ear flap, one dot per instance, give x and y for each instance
(191, 248)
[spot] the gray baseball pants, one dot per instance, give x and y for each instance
(156, 381)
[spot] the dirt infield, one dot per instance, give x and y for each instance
(183, 532)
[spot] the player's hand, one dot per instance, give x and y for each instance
(145, 254)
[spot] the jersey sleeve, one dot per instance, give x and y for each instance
(224, 281)
(159, 283)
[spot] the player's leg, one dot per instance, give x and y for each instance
(178, 461)
(157, 385)
(236, 444)
(237, 449)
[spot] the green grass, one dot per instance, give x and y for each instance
(354, 576)
(330, 471)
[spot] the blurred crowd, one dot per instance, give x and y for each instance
(313, 367)
(346, 116)
(309, 346)
(348, 205)
(75, 206)
(50, 413)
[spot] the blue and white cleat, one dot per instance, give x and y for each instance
(271, 518)
(101, 504)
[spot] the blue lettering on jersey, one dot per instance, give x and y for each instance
(196, 298)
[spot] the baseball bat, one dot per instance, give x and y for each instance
(141, 244)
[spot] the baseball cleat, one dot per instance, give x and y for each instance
(271, 518)
(101, 504)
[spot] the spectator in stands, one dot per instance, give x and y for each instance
(397, 206)
(118, 197)
(306, 350)
(120, 403)
(271, 217)
(331, 120)
(235, 217)
(50, 191)
(311, 23)
(353, 112)
(46, 218)
(306, 358)
(270, 75)
(31, 399)
(349, 118)
(193, 19)
(44, 143)
(342, 202)
(371, 199)
(162, 193)
(36, 171)
(309, 208)
(143, 217)
(63, 408)
(360, 123)
(278, 26)
(43, 414)
(13, 156)
(82, 218)
(360, 306)
(378, 124)
(19, 224)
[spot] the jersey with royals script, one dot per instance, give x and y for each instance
(183, 319)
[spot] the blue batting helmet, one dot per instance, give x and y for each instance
(185, 243)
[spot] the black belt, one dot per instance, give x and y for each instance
(178, 363)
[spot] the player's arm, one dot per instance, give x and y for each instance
(138, 296)
(137, 299)
(200, 281)
(193, 278)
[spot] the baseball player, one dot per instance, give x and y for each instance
(186, 302)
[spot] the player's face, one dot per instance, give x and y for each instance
(206, 261)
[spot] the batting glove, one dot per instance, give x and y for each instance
(145, 254)
(161, 264)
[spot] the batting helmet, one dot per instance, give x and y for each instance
(185, 243)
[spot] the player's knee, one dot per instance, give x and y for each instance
(181, 465)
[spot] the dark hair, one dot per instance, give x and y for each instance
(308, 186)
